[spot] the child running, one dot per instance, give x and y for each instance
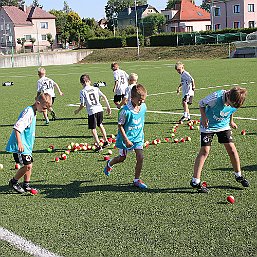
(120, 83)
(133, 77)
(47, 85)
(188, 86)
(130, 133)
(216, 118)
(90, 97)
(22, 140)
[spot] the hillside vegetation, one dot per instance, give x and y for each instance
(156, 53)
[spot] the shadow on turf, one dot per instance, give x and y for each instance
(246, 168)
(75, 189)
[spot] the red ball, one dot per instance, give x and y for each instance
(231, 199)
(107, 157)
(34, 191)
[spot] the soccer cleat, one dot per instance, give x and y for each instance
(47, 122)
(27, 187)
(105, 144)
(201, 187)
(243, 181)
(139, 183)
(107, 169)
(16, 186)
(53, 115)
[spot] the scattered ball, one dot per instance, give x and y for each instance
(110, 152)
(107, 158)
(17, 166)
(231, 199)
(243, 132)
(34, 191)
(1, 166)
(57, 159)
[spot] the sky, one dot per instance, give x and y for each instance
(92, 9)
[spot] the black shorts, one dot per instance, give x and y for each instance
(223, 137)
(22, 158)
(118, 98)
(188, 99)
(95, 120)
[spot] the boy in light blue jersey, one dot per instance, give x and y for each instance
(131, 133)
(22, 140)
(217, 111)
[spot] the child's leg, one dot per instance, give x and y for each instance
(103, 132)
(139, 163)
(234, 157)
(24, 171)
(95, 136)
(116, 160)
(46, 116)
(199, 162)
(186, 109)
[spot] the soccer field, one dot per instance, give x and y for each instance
(81, 212)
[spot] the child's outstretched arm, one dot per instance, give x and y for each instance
(178, 89)
(127, 142)
(58, 88)
(19, 142)
(232, 123)
(107, 104)
(79, 109)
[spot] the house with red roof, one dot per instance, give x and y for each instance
(29, 25)
(186, 17)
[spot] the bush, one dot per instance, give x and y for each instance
(111, 42)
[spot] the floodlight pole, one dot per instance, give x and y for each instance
(137, 29)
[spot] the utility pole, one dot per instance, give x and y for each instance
(137, 29)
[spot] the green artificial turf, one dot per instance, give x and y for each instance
(81, 212)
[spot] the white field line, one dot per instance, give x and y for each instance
(179, 113)
(171, 113)
(24, 245)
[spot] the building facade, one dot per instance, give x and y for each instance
(234, 14)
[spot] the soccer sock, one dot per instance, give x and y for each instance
(14, 181)
(196, 180)
(136, 179)
(108, 164)
(26, 183)
(238, 174)
(185, 114)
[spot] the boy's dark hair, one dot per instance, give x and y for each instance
(138, 91)
(82, 78)
(237, 96)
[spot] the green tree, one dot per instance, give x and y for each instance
(153, 23)
(171, 4)
(66, 7)
(9, 2)
(206, 6)
(35, 3)
(32, 40)
(115, 6)
(50, 40)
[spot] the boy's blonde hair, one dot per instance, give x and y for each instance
(178, 64)
(138, 91)
(237, 96)
(114, 65)
(45, 98)
(133, 77)
(41, 71)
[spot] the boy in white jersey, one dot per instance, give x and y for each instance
(216, 118)
(90, 97)
(133, 77)
(22, 140)
(47, 85)
(131, 133)
(120, 83)
(187, 84)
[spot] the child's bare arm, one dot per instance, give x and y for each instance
(127, 142)
(19, 142)
(58, 88)
(79, 109)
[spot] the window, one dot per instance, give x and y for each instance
(2, 27)
(208, 27)
(217, 26)
(27, 37)
(217, 11)
(2, 40)
(237, 8)
(7, 26)
(236, 25)
(9, 38)
(43, 37)
(189, 28)
(251, 24)
(44, 25)
(250, 7)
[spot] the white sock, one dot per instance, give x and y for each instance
(196, 180)
(238, 174)
(108, 163)
(185, 114)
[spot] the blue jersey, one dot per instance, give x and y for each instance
(133, 124)
(217, 112)
(26, 125)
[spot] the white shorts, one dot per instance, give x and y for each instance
(124, 152)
